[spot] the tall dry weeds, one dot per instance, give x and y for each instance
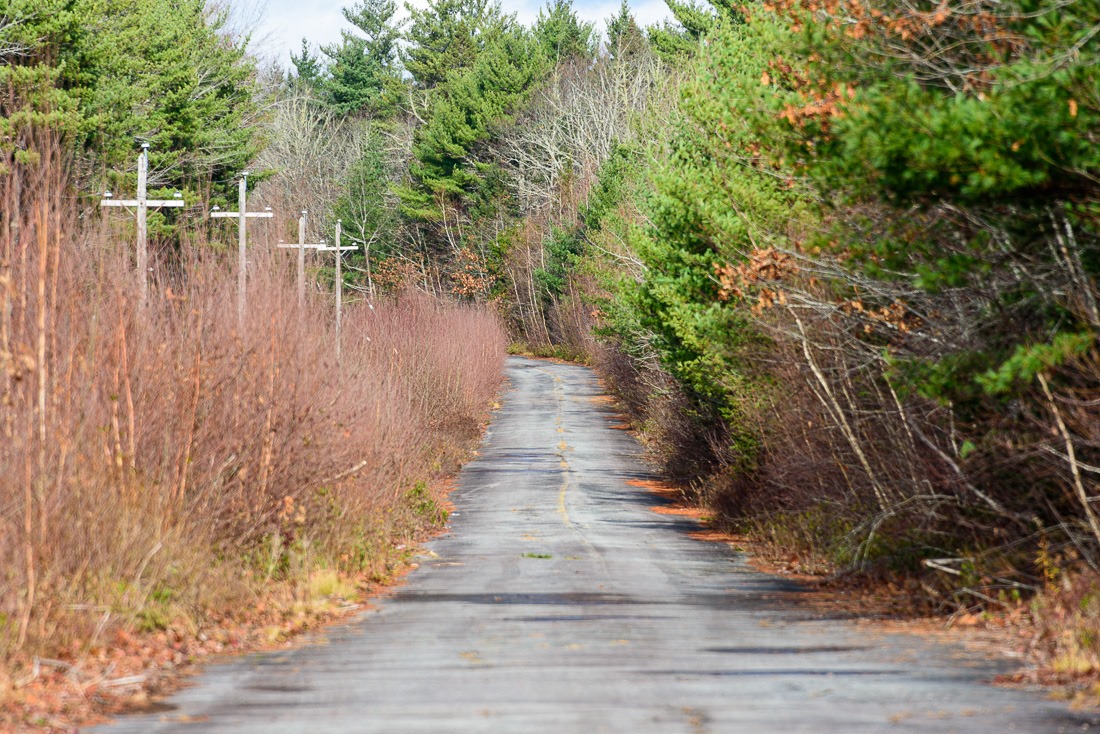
(161, 464)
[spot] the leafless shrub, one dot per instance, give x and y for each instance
(552, 154)
(309, 151)
(167, 457)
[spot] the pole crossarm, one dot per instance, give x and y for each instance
(242, 215)
(142, 204)
(151, 203)
(236, 215)
(339, 250)
(301, 247)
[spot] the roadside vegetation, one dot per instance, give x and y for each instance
(166, 472)
(174, 482)
(837, 259)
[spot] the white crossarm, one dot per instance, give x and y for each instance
(236, 215)
(304, 247)
(334, 249)
(151, 203)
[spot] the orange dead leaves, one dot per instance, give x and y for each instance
(470, 276)
(766, 265)
(394, 275)
(657, 487)
(696, 513)
(895, 315)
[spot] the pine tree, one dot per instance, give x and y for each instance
(363, 75)
(624, 37)
(464, 112)
(692, 23)
(562, 34)
(307, 67)
(108, 73)
(445, 37)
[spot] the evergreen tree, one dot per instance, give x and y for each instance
(464, 113)
(562, 34)
(445, 37)
(363, 73)
(624, 37)
(307, 67)
(692, 23)
(112, 73)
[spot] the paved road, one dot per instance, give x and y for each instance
(561, 603)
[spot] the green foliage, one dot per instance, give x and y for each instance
(712, 203)
(464, 113)
(362, 74)
(681, 38)
(562, 250)
(1029, 360)
(424, 506)
(981, 170)
(611, 187)
(563, 36)
(365, 208)
(624, 36)
(1018, 129)
(946, 380)
(307, 66)
(160, 71)
(445, 37)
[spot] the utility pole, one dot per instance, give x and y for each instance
(302, 247)
(242, 214)
(339, 280)
(143, 204)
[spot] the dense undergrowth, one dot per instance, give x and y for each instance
(167, 468)
(884, 336)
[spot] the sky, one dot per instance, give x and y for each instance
(281, 24)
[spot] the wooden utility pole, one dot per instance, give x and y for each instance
(243, 215)
(339, 280)
(302, 247)
(143, 204)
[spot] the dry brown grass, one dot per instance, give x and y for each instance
(162, 466)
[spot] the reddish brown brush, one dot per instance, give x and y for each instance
(160, 464)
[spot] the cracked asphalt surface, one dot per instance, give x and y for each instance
(561, 602)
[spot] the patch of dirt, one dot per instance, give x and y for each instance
(692, 512)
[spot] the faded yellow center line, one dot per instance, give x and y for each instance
(561, 498)
(559, 420)
(564, 464)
